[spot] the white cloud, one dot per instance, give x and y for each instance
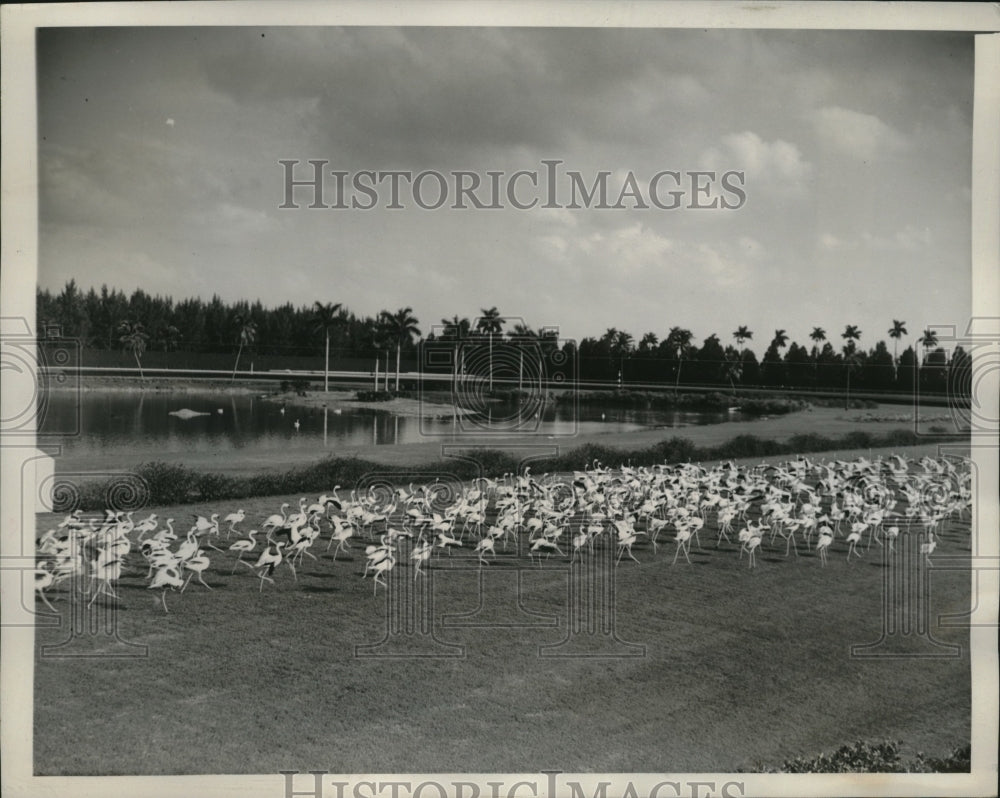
(909, 239)
(830, 241)
(853, 133)
(777, 163)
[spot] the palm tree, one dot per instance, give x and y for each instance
(621, 345)
(648, 342)
(679, 340)
(402, 327)
(850, 334)
(134, 339)
(928, 341)
(733, 371)
(852, 362)
(247, 335)
(459, 330)
(742, 335)
(380, 340)
(818, 335)
(898, 331)
(490, 322)
(780, 340)
(522, 334)
(327, 317)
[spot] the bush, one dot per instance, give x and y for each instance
(959, 761)
(374, 396)
(175, 484)
(299, 386)
(860, 757)
(168, 484)
(873, 757)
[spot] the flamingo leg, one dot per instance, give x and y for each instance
(41, 595)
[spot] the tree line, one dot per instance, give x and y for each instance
(109, 320)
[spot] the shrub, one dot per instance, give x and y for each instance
(374, 396)
(858, 439)
(866, 756)
(168, 484)
(959, 761)
(175, 484)
(860, 757)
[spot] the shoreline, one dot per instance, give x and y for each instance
(829, 422)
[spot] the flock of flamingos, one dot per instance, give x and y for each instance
(823, 506)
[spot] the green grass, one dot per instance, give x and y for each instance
(740, 667)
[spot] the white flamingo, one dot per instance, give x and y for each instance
(244, 546)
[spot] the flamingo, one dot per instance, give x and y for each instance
(683, 540)
(375, 555)
(166, 577)
(43, 579)
(927, 549)
(484, 545)
(625, 542)
(244, 546)
(299, 548)
(852, 541)
(276, 520)
(446, 541)
(341, 533)
(823, 542)
(421, 554)
(268, 561)
(196, 565)
(752, 545)
(543, 543)
(106, 570)
(380, 569)
(146, 526)
(233, 519)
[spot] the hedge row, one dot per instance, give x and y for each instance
(161, 483)
(874, 757)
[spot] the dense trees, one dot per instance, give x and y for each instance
(287, 336)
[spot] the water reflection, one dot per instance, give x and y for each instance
(142, 422)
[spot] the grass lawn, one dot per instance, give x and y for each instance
(740, 667)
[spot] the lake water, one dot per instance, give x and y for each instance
(140, 423)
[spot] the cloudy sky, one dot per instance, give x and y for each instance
(159, 169)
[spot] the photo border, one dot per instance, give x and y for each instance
(18, 272)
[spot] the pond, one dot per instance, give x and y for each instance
(105, 422)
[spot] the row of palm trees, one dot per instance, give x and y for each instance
(678, 344)
(399, 330)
